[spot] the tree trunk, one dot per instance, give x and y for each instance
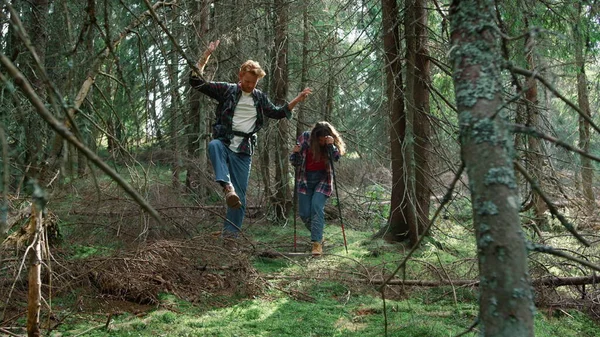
(152, 106)
(34, 276)
(399, 224)
(198, 117)
(35, 134)
(174, 109)
(506, 305)
(331, 73)
(533, 155)
(300, 127)
(282, 200)
(418, 109)
(587, 171)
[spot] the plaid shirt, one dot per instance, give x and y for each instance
(299, 160)
(228, 95)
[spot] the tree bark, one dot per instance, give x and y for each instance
(175, 106)
(587, 170)
(399, 221)
(35, 134)
(282, 200)
(198, 116)
(34, 294)
(304, 71)
(533, 155)
(418, 70)
(506, 305)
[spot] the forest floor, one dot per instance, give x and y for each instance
(114, 271)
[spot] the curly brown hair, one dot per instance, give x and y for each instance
(323, 129)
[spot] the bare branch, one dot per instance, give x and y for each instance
(535, 133)
(550, 87)
(551, 207)
(64, 132)
(556, 252)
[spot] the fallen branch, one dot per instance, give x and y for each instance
(548, 281)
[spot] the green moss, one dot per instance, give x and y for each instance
(485, 240)
(502, 176)
(475, 59)
(520, 293)
(484, 131)
(493, 308)
(486, 208)
(484, 86)
(501, 253)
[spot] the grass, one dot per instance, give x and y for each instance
(317, 297)
(360, 316)
(336, 307)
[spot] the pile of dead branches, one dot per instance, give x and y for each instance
(190, 269)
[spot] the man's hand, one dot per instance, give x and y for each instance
(212, 46)
(301, 97)
(304, 93)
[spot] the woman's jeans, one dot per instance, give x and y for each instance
(311, 206)
(234, 168)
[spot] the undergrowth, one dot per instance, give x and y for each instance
(336, 295)
(330, 296)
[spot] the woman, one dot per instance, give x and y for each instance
(314, 179)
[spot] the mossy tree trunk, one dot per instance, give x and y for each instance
(506, 305)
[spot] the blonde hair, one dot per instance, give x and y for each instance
(252, 67)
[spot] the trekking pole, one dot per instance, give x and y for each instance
(330, 150)
(295, 202)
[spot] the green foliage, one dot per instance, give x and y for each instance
(84, 252)
(334, 307)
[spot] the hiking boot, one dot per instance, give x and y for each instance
(231, 198)
(317, 249)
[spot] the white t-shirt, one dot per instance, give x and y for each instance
(244, 119)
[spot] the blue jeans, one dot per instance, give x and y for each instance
(311, 206)
(234, 168)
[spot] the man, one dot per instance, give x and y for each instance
(240, 114)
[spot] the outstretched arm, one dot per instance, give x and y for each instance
(205, 56)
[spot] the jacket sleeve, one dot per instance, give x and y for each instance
(335, 152)
(215, 90)
(296, 159)
(273, 111)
